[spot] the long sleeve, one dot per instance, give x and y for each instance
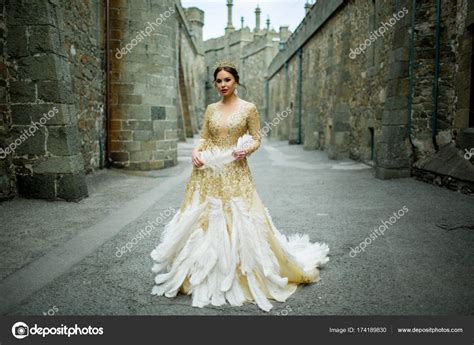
(253, 125)
(205, 129)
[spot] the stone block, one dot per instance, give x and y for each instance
(398, 69)
(142, 135)
(400, 54)
(166, 145)
(131, 146)
(160, 154)
(393, 134)
(37, 186)
(23, 114)
(395, 117)
(137, 112)
(28, 12)
(59, 165)
(121, 135)
(115, 125)
(31, 143)
(395, 103)
(140, 156)
(22, 92)
(44, 39)
(16, 42)
(137, 125)
(55, 92)
(158, 113)
(171, 134)
(42, 67)
(120, 156)
(393, 155)
(385, 174)
(397, 87)
(72, 187)
(465, 139)
(170, 163)
(63, 140)
(129, 99)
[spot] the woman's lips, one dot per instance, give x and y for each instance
(224, 91)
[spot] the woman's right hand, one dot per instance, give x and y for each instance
(195, 159)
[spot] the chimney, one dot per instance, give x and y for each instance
(307, 7)
(229, 27)
(257, 19)
(284, 34)
(268, 23)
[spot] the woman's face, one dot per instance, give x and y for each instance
(225, 83)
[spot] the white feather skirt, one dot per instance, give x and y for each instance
(232, 254)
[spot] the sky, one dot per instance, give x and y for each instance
(281, 12)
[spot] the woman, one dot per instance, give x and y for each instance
(222, 244)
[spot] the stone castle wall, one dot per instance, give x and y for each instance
(356, 103)
(54, 58)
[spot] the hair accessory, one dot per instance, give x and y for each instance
(223, 63)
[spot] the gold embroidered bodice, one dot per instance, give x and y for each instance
(223, 130)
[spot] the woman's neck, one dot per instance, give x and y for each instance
(230, 99)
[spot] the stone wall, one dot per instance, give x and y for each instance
(192, 68)
(42, 127)
(255, 58)
(156, 67)
(82, 26)
(356, 103)
(7, 177)
(52, 70)
(64, 32)
(144, 84)
(282, 91)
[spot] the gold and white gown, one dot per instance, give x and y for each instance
(222, 245)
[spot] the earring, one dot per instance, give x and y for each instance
(236, 91)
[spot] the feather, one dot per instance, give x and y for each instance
(235, 295)
(257, 293)
(215, 158)
(229, 279)
(177, 232)
(210, 258)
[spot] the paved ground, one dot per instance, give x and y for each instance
(60, 258)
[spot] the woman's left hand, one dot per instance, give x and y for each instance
(239, 154)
